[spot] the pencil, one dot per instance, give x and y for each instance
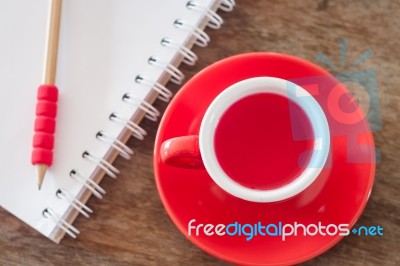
(47, 96)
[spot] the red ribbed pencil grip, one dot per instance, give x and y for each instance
(45, 125)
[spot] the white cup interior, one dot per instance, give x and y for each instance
(280, 87)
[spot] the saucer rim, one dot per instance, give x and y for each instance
(214, 252)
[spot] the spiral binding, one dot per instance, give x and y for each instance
(79, 206)
(100, 162)
(215, 21)
(115, 143)
(135, 129)
(60, 222)
(227, 5)
(88, 183)
(201, 39)
(165, 94)
(189, 57)
(151, 112)
(176, 75)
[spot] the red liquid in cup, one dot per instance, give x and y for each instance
(264, 141)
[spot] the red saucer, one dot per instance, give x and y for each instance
(338, 196)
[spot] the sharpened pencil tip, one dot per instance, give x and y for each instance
(41, 172)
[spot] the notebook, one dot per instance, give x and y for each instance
(114, 60)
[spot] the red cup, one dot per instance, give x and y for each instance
(227, 118)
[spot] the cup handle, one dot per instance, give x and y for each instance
(182, 152)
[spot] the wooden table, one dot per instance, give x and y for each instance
(130, 225)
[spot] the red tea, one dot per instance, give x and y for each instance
(264, 141)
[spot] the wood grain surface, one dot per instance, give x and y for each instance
(130, 226)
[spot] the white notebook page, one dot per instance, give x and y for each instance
(104, 44)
